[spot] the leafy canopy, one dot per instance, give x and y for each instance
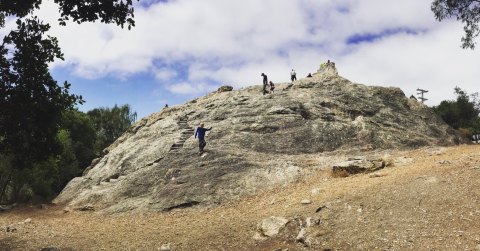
(32, 102)
(31, 99)
(110, 123)
(107, 11)
(462, 113)
(466, 11)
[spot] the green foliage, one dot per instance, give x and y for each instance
(6, 167)
(31, 100)
(118, 11)
(462, 113)
(36, 157)
(112, 11)
(68, 164)
(78, 139)
(82, 134)
(466, 11)
(40, 182)
(110, 124)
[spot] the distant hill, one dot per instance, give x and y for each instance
(156, 165)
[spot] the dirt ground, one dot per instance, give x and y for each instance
(427, 200)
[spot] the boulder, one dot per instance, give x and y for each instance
(165, 247)
(301, 235)
(225, 88)
(272, 226)
(155, 165)
(358, 166)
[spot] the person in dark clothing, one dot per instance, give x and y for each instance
(265, 83)
(200, 132)
(272, 87)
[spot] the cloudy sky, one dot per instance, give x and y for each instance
(182, 49)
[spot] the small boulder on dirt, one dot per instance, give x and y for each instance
(272, 226)
(355, 166)
(165, 247)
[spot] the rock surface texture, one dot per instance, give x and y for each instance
(156, 166)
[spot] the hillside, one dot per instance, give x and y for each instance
(426, 200)
(254, 144)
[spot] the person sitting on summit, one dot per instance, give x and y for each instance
(200, 132)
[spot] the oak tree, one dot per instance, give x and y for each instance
(466, 11)
(31, 101)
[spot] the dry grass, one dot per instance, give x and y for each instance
(417, 205)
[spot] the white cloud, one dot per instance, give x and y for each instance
(190, 89)
(232, 42)
(432, 61)
(165, 74)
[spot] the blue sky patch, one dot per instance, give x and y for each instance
(148, 3)
(371, 37)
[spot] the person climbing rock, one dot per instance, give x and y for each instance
(200, 132)
(272, 87)
(265, 83)
(293, 75)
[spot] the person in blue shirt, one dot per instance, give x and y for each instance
(200, 132)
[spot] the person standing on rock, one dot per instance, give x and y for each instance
(293, 75)
(265, 83)
(200, 132)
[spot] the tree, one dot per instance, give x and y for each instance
(112, 11)
(31, 101)
(82, 133)
(466, 11)
(78, 143)
(110, 123)
(462, 113)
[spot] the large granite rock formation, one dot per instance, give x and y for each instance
(155, 165)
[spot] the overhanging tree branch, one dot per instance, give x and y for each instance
(466, 11)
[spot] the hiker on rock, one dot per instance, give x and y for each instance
(272, 87)
(265, 83)
(293, 75)
(200, 132)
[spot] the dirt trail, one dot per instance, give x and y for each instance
(428, 200)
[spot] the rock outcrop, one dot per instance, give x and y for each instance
(155, 164)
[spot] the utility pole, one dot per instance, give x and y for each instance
(421, 92)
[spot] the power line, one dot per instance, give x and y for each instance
(421, 92)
